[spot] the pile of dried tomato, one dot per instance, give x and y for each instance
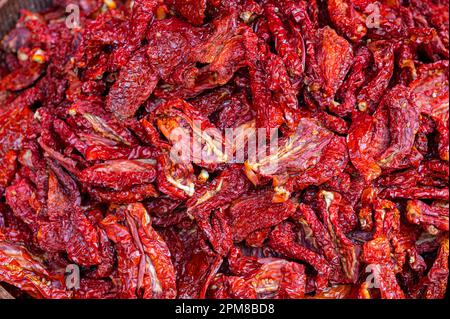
(357, 206)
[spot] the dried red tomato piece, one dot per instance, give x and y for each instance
(415, 193)
(208, 207)
(149, 272)
(290, 48)
(242, 213)
(184, 126)
(235, 112)
(22, 198)
(169, 44)
(12, 228)
(275, 279)
(282, 240)
(320, 238)
(135, 83)
(120, 174)
(192, 10)
(7, 169)
(333, 57)
(95, 289)
(352, 83)
(22, 78)
(195, 263)
(360, 148)
(310, 156)
(371, 93)
(20, 268)
(16, 124)
(347, 19)
(83, 243)
(106, 152)
(274, 104)
(129, 259)
(346, 249)
(258, 237)
(437, 277)
(162, 273)
(377, 254)
(430, 95)
(93, 125)
(106, 249)
(131, 195)
(404, 123)
(418, 212)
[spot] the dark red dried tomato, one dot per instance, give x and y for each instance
(226, 149)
